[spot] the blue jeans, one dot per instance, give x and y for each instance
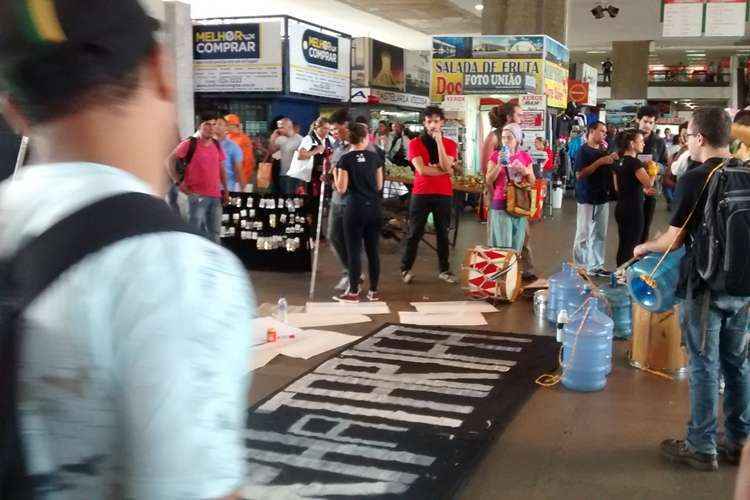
(725, 352)
(591, 235)
(204, 212)
(507, 231)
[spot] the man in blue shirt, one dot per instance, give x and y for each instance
(593, 180)
(233, 156)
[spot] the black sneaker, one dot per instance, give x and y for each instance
(678, 452)
(407, 277)
(730, 453)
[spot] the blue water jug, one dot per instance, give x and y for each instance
(587, 349)
(562, 287)
(655, 293)
(619, 308)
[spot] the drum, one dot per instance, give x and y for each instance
(655, 293)
(656, 343)
(491, 273)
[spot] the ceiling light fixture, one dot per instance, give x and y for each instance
(479, 6)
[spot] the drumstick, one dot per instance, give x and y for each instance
(627, 264)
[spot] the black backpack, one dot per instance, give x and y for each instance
(181, 164)
(721, 244)
(37, 265)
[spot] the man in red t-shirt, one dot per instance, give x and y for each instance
(433, 157)
(204, 179)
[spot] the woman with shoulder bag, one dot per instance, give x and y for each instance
(507, 165)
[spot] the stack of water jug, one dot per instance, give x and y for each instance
(588, 332)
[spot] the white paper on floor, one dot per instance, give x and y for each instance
(454, 307)
(261, 326)
(343, 307)
(470, 318)
(314, 342)
(307, 344)
(308, 320)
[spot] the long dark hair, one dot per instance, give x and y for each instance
(624, 139)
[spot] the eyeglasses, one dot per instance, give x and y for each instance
(693, 135)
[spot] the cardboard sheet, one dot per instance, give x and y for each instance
(454, 307)
(309, 320)
(451, 319)
(342, 307)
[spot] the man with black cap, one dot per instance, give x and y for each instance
(131, 333)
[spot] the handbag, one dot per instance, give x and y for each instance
(520, 199)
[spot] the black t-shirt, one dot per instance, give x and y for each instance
(689, 194)
(629, 187)
(594, 189)
(362, 167)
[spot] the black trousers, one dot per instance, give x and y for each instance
(419, 209)
(630, 223)
(362, 222)
(649, 206)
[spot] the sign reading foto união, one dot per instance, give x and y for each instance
(481, 83)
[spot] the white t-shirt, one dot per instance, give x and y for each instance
(287, 149)
(134, 368)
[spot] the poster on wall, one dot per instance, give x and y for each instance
(726, 17)
(532, 111)
(458, 60)
(387, 67)
(578, 92)
(622, 112)
(590, 76)
(319, 63)
(237, 57)
(555, 85)
(682, 18)
(417, 65)
(360, 62)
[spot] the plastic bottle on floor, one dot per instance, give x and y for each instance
(283, 310)
(587, 349)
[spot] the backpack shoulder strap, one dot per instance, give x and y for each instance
(40, 262)
(191, 150)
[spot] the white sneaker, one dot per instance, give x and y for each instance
(407, 276)
(448, 277)
(342, 284)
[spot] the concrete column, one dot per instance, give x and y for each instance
(525, 17)
(178, 33)
(630, 73)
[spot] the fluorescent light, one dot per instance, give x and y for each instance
(596, 51)
(479, 6)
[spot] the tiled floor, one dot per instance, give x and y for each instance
(562, 444)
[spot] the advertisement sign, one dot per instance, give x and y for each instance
(360, 62)
(380, 96)
(683, 18)
(448, 75)
(555, 85)
(590, 76)
(621, 112)
(387, 67)
(455, 103)
(486, 83)
(532, 113)
(237, 57)
(726, 17)
(578, 92)
(556, 52)
(319, 63)
(455, 59)
(417, 65)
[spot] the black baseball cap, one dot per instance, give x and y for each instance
(117, 28)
